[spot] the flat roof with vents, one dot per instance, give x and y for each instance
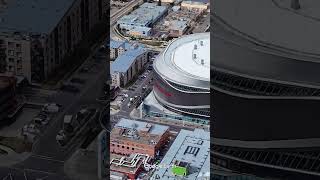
(137, 131)
(192, 147)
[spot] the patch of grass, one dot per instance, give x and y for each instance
(16, 144)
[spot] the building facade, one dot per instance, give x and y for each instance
(141, 20)
(182, 72)
(199, 6)
(7, 98)
(58, 34)
(188, 157)
(266, 88)
(17, 55)
(128, 64)
(130, 137)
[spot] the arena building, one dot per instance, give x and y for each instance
(182, 72)
(266, 88)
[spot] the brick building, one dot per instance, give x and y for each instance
(129, 137)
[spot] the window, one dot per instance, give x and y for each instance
(19, 54)
(11, 52)
(127, 147)
(18, 46)
(122, 146)
(118, 145)
(132, 149)
(11, 60)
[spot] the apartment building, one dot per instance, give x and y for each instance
(131, 58)
(51, 30)
(16, 57)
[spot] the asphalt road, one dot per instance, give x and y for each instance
(48, 157)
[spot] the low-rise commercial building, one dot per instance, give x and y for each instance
(195, 5)
(130, 137)
(187, 158)
(141, 20)
(176, 27)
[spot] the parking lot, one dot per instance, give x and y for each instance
(25, 116)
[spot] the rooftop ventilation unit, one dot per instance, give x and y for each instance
(195, 46)
(202, 61)
(194, 56)
(201, 43)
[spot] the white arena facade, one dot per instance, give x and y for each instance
(182, 80)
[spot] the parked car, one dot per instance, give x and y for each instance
(51, 108)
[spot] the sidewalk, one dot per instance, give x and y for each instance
(83, 164)
(135, 114)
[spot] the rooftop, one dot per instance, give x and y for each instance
(124, 61)
(178, 25)
(251, 60)
(116, 44)
(191, 55)
(145, 14)
(36, 16)
(187, 61)
(138, 131)
(122, 168)
(196, 2)
(275, 23)
(191, 147)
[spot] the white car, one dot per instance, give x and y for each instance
(31, 128)
(51, 108)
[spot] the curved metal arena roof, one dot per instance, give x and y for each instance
(238, 55)
(186, 61)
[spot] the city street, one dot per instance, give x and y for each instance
(48, 157)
